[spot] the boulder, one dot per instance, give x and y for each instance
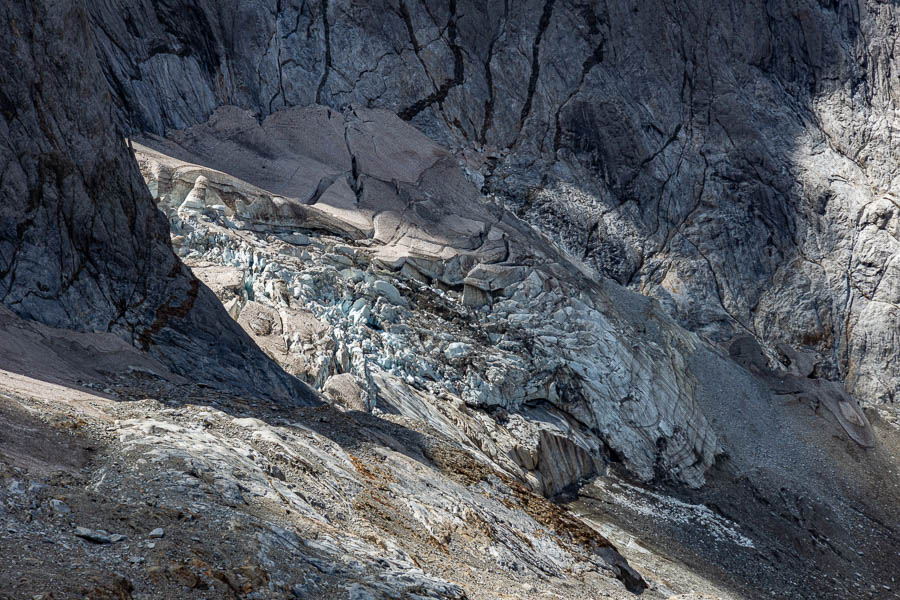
(345, 392)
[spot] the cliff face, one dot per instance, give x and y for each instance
(732, 161)
(82, 246)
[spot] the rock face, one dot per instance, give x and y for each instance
(82, 246)
(732, 161)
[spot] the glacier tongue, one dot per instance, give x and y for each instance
(552, 370)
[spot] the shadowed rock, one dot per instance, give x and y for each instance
(82, 245)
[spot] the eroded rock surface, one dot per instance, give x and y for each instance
(733, 163)
(437, 306)
(178, 490)
(445, 307)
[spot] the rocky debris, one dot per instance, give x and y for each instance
(257, 499)
(97, 537)
(665, 508)
(793, 377)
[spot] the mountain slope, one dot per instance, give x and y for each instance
(439, 216)
(732, 160)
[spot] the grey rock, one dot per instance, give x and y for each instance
(741, 173)
(344, 390)
(475, 297)
(157, 533)
(60, 507)
(97, 537)
(766, 209)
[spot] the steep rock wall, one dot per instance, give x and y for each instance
(82, 245)
(732, 160)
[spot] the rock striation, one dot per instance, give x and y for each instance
(425, 301)
(437, 217)
(178, 490)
